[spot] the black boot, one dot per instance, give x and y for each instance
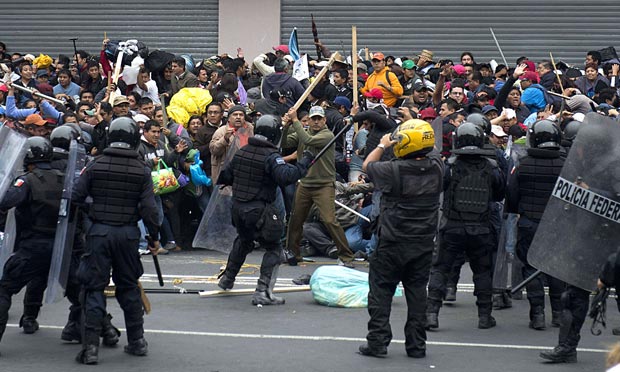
(486, 321)
(88, 355)
(366, 350)
(432, 321)
(266, 298)
(498, 301)
(225, 282)
(71, 332)
(137, 347)
(537, 318)
(109, 333)
(29, 324)
(450, 294)
(561, 354)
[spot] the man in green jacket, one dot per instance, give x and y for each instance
(317, 187)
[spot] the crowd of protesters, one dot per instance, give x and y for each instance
(391, 90)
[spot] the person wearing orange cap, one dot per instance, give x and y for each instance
(383, 79)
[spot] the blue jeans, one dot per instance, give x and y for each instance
(355, 235)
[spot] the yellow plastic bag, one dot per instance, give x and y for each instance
(42, 61)
(191, 100)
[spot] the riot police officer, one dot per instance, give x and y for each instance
(410, 185)
(529, 188)
(122, 191)
(255, 172)
(471, 182)
(36, 197)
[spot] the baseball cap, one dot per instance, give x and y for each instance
(141, 117)
(498, 131)
(531, 76)
(4, 88)
(282, 48)
(488, 108)
(374, 93)
(316, 111)
(419, 86)
(41, 73)
(344, 101)
(428, 113)
(254, 94)
(119, 100)
(35, 119)
(408, 65)
(378, 56)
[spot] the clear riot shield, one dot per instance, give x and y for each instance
(216, 231)
(580, 226)
(8, 239)
(65, 229)
(437, 125)
(503, 262)
(12, 151)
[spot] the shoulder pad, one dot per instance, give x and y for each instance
(19, 182)
(493, 162)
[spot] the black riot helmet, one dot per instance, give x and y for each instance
(571, 129)
(545, 134)
(480, 120)
(62, 136)
(269, 126)
(124, 133)
(39, 150)
(469, 136)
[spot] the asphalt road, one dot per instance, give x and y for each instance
(189, 333)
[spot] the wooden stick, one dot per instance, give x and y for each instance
(367, 54)
(555, 71)
(117, 73)
(316, 81)
(247, 291)
(354, 62)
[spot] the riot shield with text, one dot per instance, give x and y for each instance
(65, 228)
(216, 231)
(12, 152)
(580, 226)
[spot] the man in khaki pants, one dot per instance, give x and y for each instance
(317, 187)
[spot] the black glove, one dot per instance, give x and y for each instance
(306, 159)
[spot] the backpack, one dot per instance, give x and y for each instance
(470, 190)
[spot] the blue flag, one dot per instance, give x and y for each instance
(293, 45)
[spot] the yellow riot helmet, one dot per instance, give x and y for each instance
(415, 138)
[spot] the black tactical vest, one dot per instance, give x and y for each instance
(411, 210)
(117, 178)
(468, 196)
(250, 179)
(45, 192)
(538, 173)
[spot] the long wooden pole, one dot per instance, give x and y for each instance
(354, 62)
(248, 291)
(316, 81)
(555, 71)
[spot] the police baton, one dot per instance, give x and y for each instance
(527, 281)
(331, 142)
(151, 243)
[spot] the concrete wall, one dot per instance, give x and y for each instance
(253, 25)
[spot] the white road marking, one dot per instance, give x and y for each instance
(332, 338)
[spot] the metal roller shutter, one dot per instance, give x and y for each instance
(183, 26)
(532, 28)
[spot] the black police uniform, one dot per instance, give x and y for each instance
(529, 188)
(36, 196)
(255, 172)
(406, 230)
(466, 226)
(122, 191)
